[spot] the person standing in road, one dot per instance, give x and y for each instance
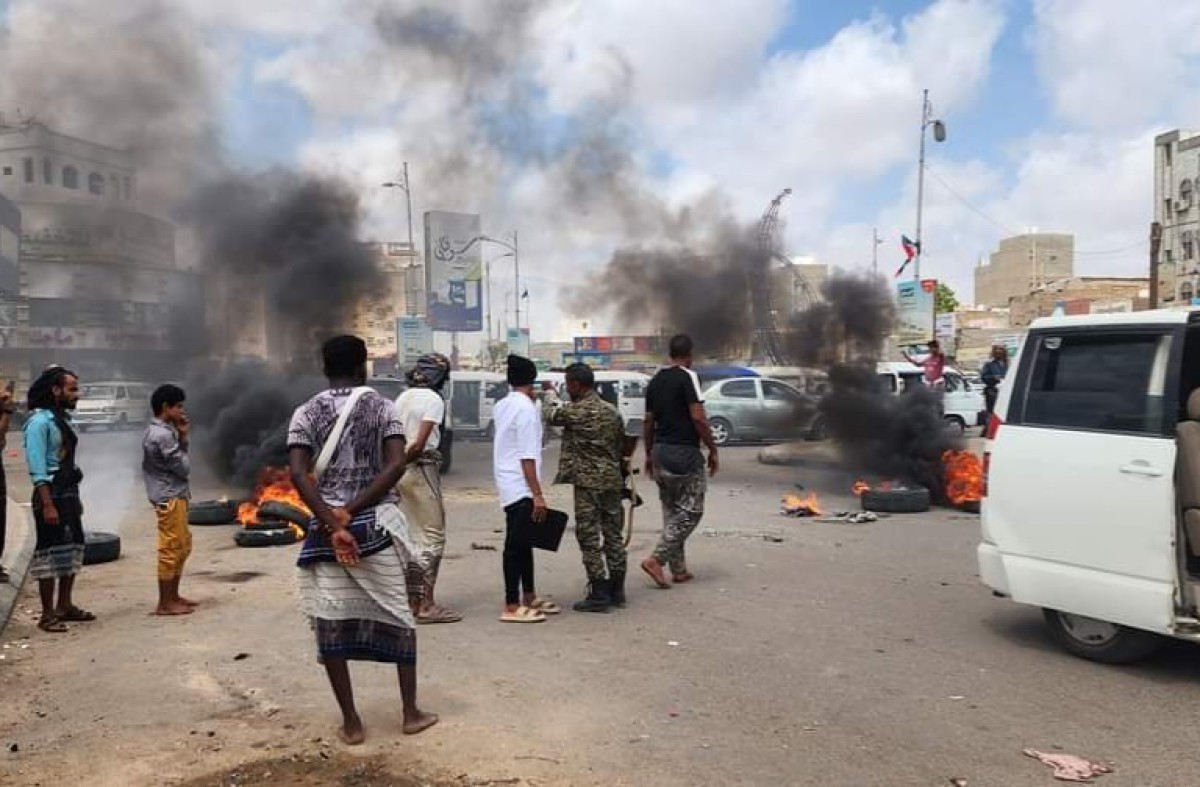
(517, 468)
(993, 373)
(422, 411)
(6, 412)
(593, 460)
(50, 443)
(675, 426)
(345, 454)
(165, 470)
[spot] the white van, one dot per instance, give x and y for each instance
(114, 404)
(471, 397)
(1092, 481)
(627, 392)
(962, 402)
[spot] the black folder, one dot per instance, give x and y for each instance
(548, 533)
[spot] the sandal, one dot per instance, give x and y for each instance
(77, 615)
(545, 606)
(52, 625)
(523, 614)
(439, 614)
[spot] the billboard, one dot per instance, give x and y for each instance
(914, 311)
(453, 271)
(518, 341)
(946, 328)
(413, 339)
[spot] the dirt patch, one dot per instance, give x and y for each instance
(316, 771)
(235, 577)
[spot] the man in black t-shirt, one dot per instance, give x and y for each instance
(675, 426)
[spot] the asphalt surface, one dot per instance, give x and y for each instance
(840, 655)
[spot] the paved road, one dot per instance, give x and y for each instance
(845, 655)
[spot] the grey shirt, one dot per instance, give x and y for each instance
(165, 463)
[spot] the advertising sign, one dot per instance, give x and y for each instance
(413, 339)
(518, 341)
(914, 311)
(946, 329)
(454, 271)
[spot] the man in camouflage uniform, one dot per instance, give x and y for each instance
(593, 461)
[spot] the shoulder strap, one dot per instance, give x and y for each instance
(335, 436)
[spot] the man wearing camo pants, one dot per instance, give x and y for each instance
(675, 426)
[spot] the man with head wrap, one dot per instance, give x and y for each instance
(517, 467)
(422, 410)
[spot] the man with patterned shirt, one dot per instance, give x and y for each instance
(594, 450)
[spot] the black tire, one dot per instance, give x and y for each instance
(896, 501)
(971, 507)
(722, 431)
(1096, 640)
(277, 509)
(956, 425)
(817, 431)
(213, 512)
(265, 538)
(266, 524)
(100, 547)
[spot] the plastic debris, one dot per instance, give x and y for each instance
(1069, 767)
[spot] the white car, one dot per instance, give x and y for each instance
(1083, 514)
(962, 402)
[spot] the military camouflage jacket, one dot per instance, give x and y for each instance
(593, 442)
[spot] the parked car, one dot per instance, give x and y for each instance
(391, 388)
(113, 404)
(1092, 481)
(759, 408)
(962, 402)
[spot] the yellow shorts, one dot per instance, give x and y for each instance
(174, 538)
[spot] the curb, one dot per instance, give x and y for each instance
(20, 543)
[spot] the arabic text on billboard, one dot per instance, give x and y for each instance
(414, 338)
(518, 341)
(914, 311)
(454, 271)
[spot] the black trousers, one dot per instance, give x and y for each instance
(3, 510)
(518, 550)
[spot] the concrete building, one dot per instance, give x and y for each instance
(99, 288)
(1021, 264)
(798, 284)
(403, 294)
(1176, 179)
(1081, 295)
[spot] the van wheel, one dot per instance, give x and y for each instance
(1099, 640)
(956, 425)
(722, 431)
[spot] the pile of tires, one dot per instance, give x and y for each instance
(896, 501)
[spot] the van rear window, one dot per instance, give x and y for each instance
(1098, 382)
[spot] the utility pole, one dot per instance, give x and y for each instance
(875, 250)
(1155, 247)
(939, 135)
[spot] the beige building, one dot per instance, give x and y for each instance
(1176, 179)
(1081, 295)
(797, 284)
(1022, 264)
(375, 320)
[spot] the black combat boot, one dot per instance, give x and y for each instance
(598, 599)
(616, 589)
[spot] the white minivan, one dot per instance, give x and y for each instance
(114, 405)
(472, 396)
(627, 392)
(1092, 481)
(962, 403)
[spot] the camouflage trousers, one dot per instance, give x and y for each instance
(682, 498)
(599, 527)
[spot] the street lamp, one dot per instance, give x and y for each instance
(516, 255)
(404, 184)
(939, 135)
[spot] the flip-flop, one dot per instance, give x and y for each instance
(77, 615)
(52, 625)
(440, 614)
(523, 615)
(545, 606)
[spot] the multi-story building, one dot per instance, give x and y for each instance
(98, 288)
(1176, 180)
(402, 295)
(1021, 264)
(1081, 295)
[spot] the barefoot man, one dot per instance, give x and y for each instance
(165, 469)
(358, 566)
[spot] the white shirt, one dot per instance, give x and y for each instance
(518, 435)
(422, 405)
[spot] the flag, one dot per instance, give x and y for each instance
(525, 295)
(911, 249)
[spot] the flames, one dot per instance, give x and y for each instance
(861, 487)
(795, 505)
(274, 484)
(964, 477)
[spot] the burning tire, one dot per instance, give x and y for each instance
(100, 547)
(896, 501)
(280, 536)
(213, 512)
(1098, 640)
(277, 509)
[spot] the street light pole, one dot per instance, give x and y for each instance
(939, 135)
(408, 204)
(875, 250)
(517, 276)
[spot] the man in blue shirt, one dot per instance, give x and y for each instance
(50, 443)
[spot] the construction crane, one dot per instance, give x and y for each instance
(764, 311)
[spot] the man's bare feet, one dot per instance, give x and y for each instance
(652, 567)
(177, 608)
(418, 722)
(352, 732)
(188, 602)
